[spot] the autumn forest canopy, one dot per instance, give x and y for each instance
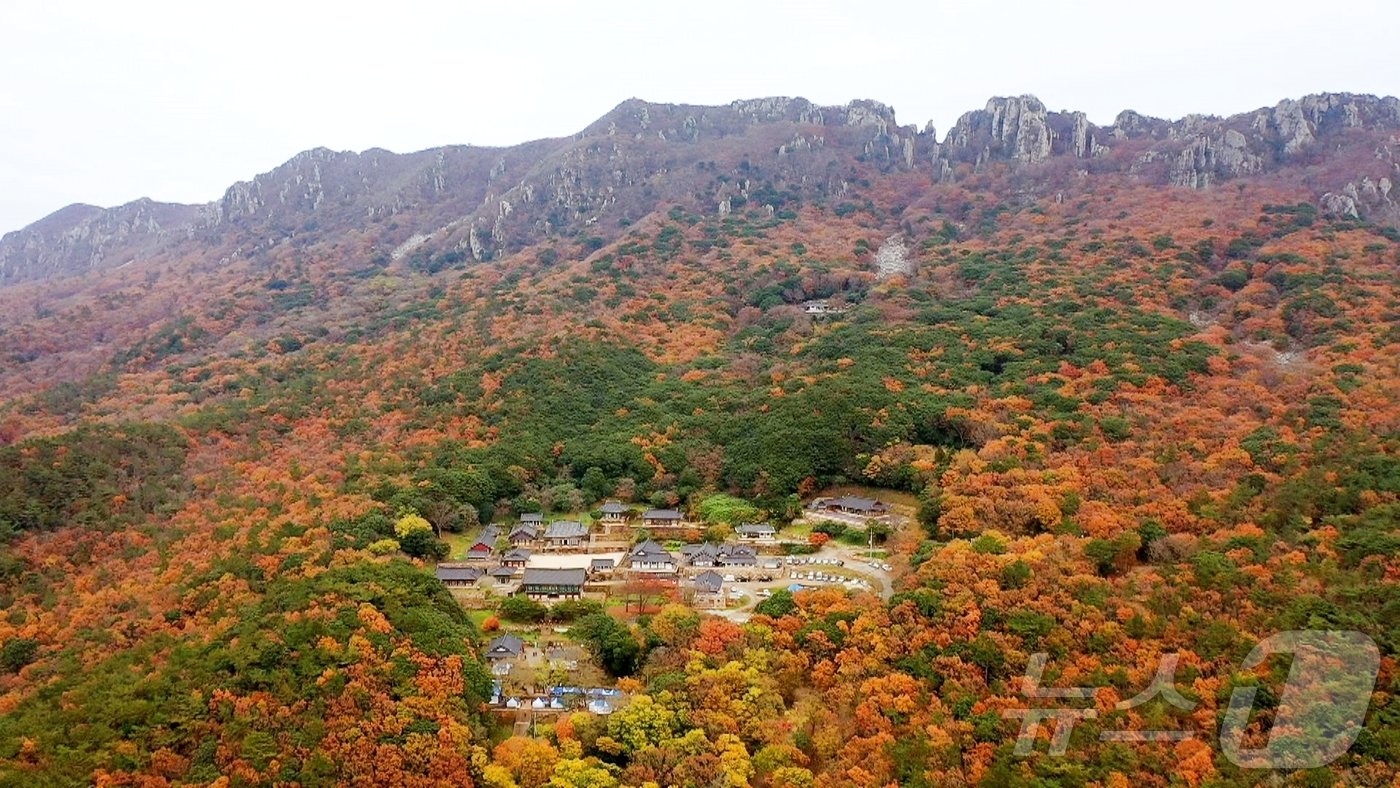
(1145, 402)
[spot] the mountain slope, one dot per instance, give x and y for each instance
(1141, 379)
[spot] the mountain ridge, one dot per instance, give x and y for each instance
(485, 201)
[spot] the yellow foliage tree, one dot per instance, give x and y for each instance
(409, 523)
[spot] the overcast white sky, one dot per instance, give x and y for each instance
(104, 102)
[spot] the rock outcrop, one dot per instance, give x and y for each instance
(82, 238)
(1195, 152)
(483, 202)
(1208, 158)
(1018, 130)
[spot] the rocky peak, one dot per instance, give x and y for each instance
(869, 113)
(1008, 128)
(635, 117)
(1131, 124)
(1019, 129)
(1214, 149)
(298, 183)
(81, 238)
(1296, 124)
(774, 109)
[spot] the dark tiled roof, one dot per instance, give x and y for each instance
(662, 514)
(554, 577)
(516, 554)
(532, 517)
(458, 572)
(602, 563)
(709, 581)
(565, 529)
(649, 549)
(857, 503)
(723, 553)
(753, 529)
(505, 645)
(613, 507)
(503, 571)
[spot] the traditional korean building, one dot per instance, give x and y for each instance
(553, 585)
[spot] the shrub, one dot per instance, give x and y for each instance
(522, 610)
(778, 605)
(989, 544)
(611, 642)
(1171, 549)
(16, 653)
(572, 609)
(423, 544)
(1213, 569)
(1109, 555)
(727, 509)
(383, 547)
(1015, 575)
(1233, 279)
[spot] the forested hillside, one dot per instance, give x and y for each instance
(1144, 381)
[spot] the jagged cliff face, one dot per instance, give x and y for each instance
(1195, 152)
(82, 238)
(481, 202)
